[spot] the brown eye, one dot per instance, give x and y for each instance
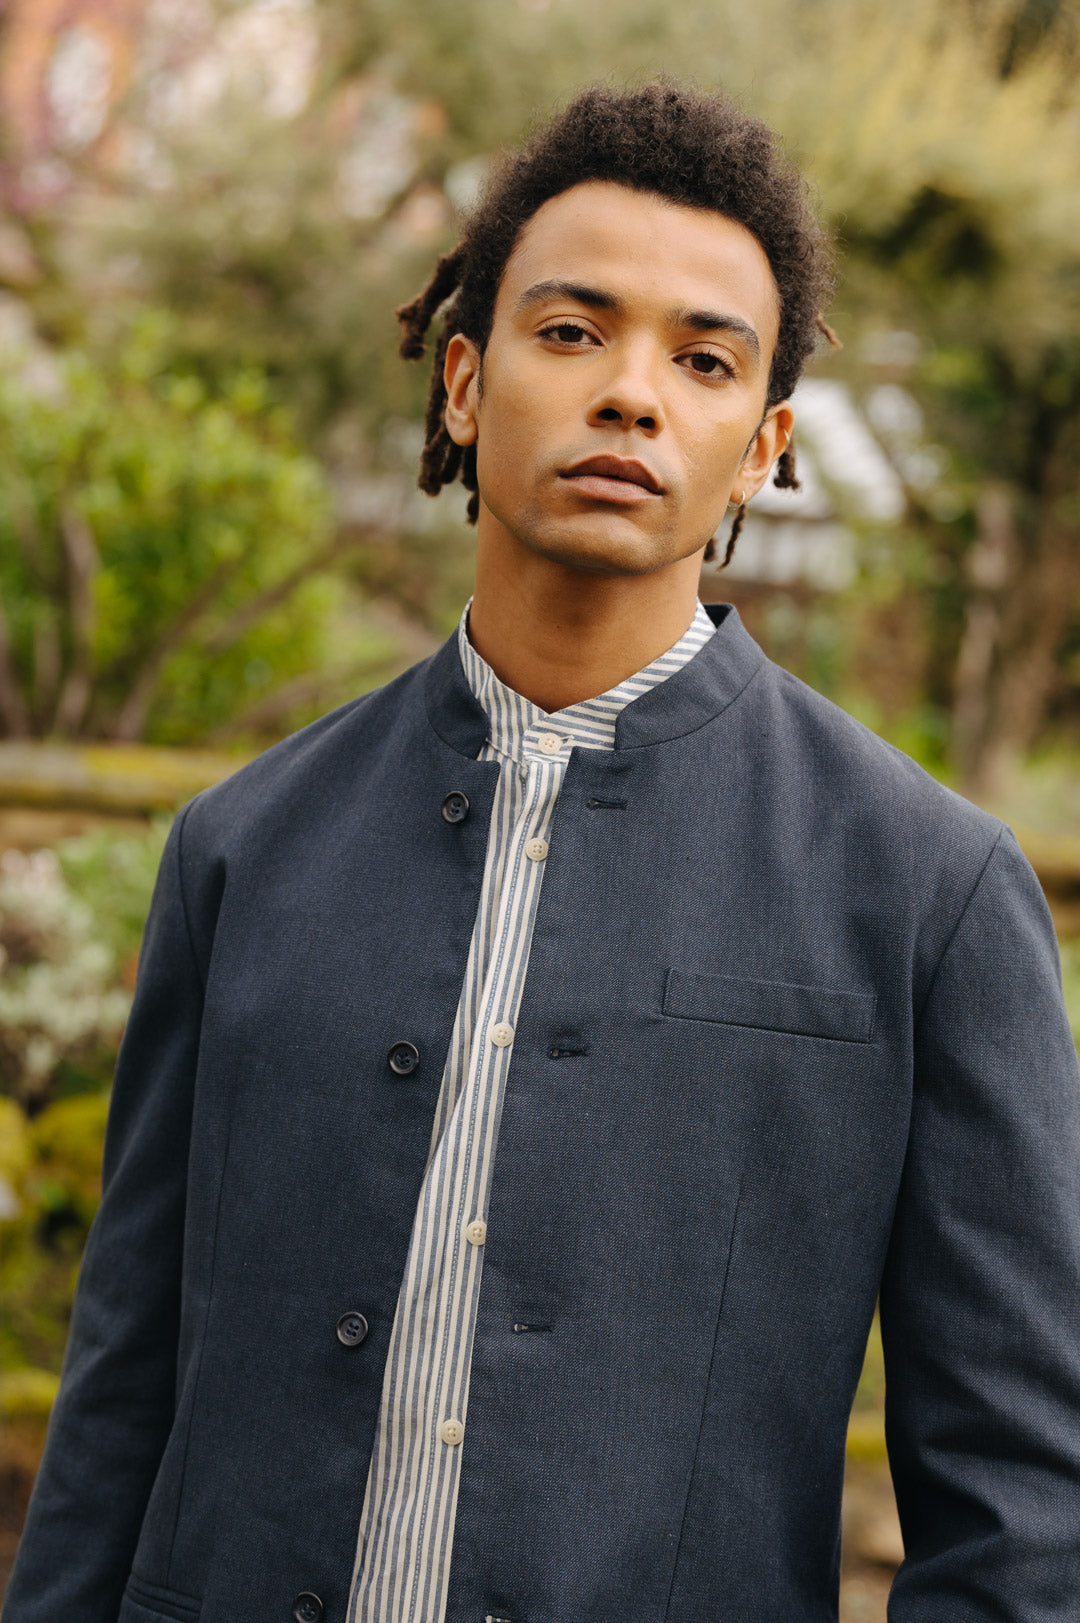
(565, 333)
(708, 365)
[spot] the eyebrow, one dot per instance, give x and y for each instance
(595, 298)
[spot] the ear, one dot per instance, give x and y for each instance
(769, 442)
(461, 379)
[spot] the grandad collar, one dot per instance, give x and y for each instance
(687, 700)
(514, 722)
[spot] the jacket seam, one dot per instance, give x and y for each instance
(199, 1353)
(956, 927)
(704, 1406)
(181, 828)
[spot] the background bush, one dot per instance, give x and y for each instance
(70, 925)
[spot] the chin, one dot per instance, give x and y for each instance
(600, 548)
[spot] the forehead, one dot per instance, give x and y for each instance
(649, 251)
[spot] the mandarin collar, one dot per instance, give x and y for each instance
(687, 700)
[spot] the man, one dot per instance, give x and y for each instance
(540, 1066)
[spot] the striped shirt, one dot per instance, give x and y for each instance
(407, 1522)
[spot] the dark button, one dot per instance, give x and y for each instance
(351, 1329)
(307, 1608)
(455, 808)
(403, 1058)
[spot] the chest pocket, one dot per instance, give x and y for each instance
(804, 1011)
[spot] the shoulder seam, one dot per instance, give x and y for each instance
(959, 920)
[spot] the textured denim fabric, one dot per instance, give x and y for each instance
(792, 1034)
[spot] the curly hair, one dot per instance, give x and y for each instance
(661, 138)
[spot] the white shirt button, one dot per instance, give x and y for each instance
(502, 1034)
(549, 743)
(536, 850)
(476, 1233)
(452, 1431)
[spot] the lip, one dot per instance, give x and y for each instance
(613, 478)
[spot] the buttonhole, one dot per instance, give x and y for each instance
(491, 1619)
(567, 1053)
(606, 805)
(519, 1327)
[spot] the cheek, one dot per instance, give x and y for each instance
(510, 432)
(715, 449)
(502, 462)
(711, 462)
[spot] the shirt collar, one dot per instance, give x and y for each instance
(521, 731)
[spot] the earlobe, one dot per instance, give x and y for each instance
(461, 371)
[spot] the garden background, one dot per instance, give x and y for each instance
(209, 530)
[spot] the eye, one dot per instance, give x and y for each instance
(708, 365)
(565, 332)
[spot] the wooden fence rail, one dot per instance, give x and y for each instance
(136, 781)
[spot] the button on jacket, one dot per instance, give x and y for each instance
(792, 1035)
(406, 1530)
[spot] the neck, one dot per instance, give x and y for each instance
(557, 634)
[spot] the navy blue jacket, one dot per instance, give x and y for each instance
(792, 1036)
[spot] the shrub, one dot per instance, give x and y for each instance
(62, 1008)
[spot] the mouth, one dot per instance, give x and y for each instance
(613, 479)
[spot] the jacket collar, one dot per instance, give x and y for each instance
(686, 701)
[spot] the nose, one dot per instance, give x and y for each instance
(629, 393)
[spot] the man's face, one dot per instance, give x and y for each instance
(624, 382)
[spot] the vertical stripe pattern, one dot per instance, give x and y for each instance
(407, 1520)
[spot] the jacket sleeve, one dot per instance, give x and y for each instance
(115, 1405)
(980, 1300)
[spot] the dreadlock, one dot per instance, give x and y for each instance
(665, 139)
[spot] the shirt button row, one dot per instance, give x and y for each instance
(476, 1233)
(452, 1431)
(502, 1035)
(536, 850)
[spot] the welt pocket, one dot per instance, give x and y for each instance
(160, 1602)
(804, 1011)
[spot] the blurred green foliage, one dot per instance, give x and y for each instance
(114, 876)
(62, 1001)
(93, 895)
(144, 517)
(70, 926)
(52, 1193)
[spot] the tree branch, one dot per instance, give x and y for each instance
(251, 612)
(271, 709)
(131, 717)
(81, 557)
(24, 523)
(12, 708)
(46, 665)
